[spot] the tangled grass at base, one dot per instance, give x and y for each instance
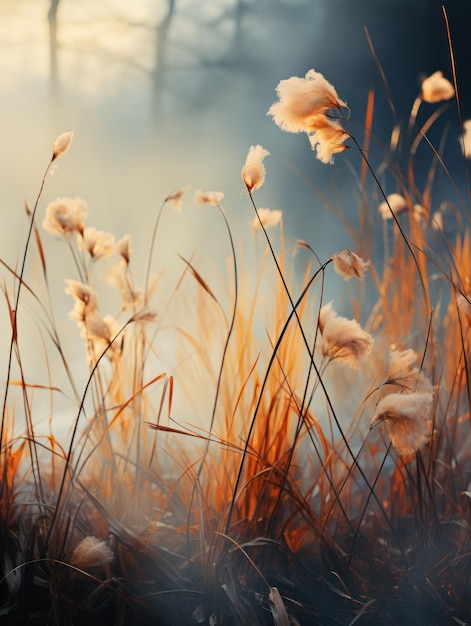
(329, 480)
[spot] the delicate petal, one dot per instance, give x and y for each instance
(348, 264)
(397, 203)
(436, 88)
(343, 338)
(65, 216)
(208, 197)
(62, 144)
(268, 218)
(406, 417)
(253, 172)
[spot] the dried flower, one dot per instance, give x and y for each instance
(65, 216)
(436, 88)
(208, 197)
(343, 338)
(62, 144)
(396, 202)
(466, 139)
(92, 554)
(348, 264)
(85, 299)
(176, 198)
(97, 243)
(123, 248)
(302, 107)
(268, 218)
(406, 417)
(253, 172)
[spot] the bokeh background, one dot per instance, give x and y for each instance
(167, 93)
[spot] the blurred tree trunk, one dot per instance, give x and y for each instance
(160, 55)
(54, 77)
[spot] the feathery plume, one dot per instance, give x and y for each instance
(302, 107)
(343, 338)
(268, 218)
(406, 418)
(208, 197)
(65, 216)
(348, 264)
(253, 172)
(436, 88)
(62, 144)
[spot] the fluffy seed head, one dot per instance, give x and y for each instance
(303, 102)
(436, 88)
(208, 197)
(176, 198)
(348, 264)
(406, 418)
(397, 203)
(343, 338)
(302, 107)
(62, 144)
(65, 216)
(405, 374)
(123, 248)
(92, 554)
(253, 172)
(97, 243)
(268, 218)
